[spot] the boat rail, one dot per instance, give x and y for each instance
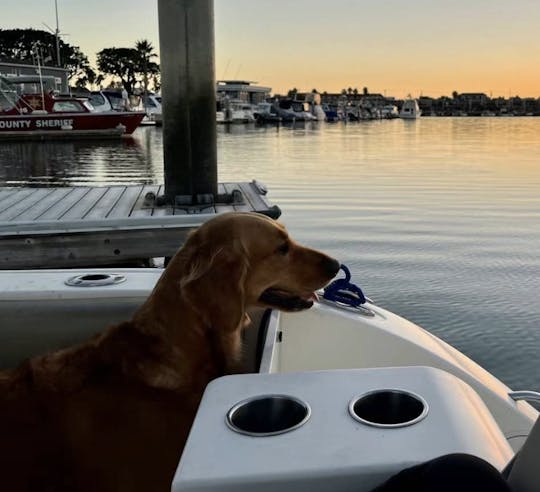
(525, 395)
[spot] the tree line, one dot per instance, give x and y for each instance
(128, 67)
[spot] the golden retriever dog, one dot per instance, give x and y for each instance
(113, 414)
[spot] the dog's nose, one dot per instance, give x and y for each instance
(330, 266)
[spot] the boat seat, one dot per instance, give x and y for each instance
(524, 475)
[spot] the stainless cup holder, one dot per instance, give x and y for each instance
(268, 415)
(388, 408)
(95, 279)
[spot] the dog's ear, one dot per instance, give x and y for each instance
(215, 284)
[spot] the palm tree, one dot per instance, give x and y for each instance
(292, 93)
(145, 53)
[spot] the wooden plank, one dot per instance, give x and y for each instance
(106, 202)
(246, 207)
(45, 204)
(252, 196)
(139, 209)
(6, 192)
(24, 204)
(13, 198)
(77, 249)
(81, 208)
(63, 205)
(126, 202)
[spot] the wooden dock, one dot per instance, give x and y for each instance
(83, 226)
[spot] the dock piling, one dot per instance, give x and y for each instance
(186, 38)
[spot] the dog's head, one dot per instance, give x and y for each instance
(239, 260)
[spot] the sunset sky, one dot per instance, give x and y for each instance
(429, 47)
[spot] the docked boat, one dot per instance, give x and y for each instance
(389, 112)
(151, 105)
(410, 109)
(266, 112)
(29, 109)
(234, 111)
(331, 112)
(346, 392)
(294, 110)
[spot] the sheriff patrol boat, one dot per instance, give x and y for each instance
(31, 109)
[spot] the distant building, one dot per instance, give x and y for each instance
(368, 100)
(371, 100)
(426, 104)
(333, 98)
(9, 68)
(474, 97)
(242, 90)
(470, 101)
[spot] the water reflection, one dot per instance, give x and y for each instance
(130, 160)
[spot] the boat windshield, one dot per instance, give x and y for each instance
(8, 95)
(88, 105)
(149, 102)
(67, 107)
(31, 84)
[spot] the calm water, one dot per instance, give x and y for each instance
(438, 219)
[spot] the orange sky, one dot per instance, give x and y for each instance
(431, 47)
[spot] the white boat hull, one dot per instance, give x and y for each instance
(40, 313)
(327, 337)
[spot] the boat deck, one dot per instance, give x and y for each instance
(80, 226)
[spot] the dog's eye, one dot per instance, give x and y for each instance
(283, 249)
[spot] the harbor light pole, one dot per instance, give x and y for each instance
(186, 38)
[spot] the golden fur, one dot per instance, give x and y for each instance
(113, 413)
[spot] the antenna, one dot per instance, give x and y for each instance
(236, 74)
(56, 33)
(35, 49)
(226, 68)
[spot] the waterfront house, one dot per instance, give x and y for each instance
(242, 90)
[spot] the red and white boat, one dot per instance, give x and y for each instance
(31, 110)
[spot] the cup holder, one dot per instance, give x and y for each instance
(95, 279)
(388, 408)
(268, 415)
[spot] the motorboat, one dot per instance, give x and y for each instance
(266, 112)
(99, 101)
(346, 393)
(234, 111)
(29, 109)
(331, 112)
(410, 109)
(151, 105)
(389, 111)
(294, 110)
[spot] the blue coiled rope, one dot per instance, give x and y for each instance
(343, 291)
